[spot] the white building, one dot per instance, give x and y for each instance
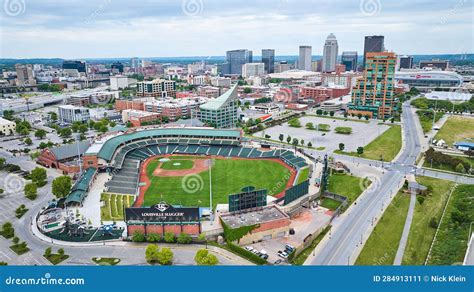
(253, 69)
(221, 81)
(118, 82)
(69, 114)
(330, 54)
(7, 127)
(304, 60)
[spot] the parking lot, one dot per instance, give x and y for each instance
(362, 133)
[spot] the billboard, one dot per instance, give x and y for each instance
(296, 192)
(248, 199)
(162, 212)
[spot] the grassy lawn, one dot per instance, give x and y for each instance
(56, 258)
(330, 204)
(106, 261)
(304, 173)
(421, 234)
(176, 164)
(113, 206)
(456, 129)
(451, 242)
(385, 146)
(345, 185)
(228, 177)
(302, 256)
(382, 245)
(426, 119)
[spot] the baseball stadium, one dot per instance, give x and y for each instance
(183, 165)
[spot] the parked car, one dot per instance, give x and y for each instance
(277, 262)
(283, 254)
(249, 248)
(264, 256)
(289, 248)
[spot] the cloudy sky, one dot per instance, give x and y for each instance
(156, 28)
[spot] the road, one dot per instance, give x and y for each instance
(353, 228)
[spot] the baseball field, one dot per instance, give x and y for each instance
(184, 180)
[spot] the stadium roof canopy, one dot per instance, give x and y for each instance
(78, 191)
(219, 102)
(70, 150)
(107, 150)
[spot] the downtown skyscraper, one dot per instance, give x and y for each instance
(373, 43)
(237, 58)
(330, 52)
(304, 60)
(268, 58)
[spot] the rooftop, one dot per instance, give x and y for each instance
(267, 214)
(217, 103)
(69, 150)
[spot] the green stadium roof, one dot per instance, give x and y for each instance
(217, 103)
(80, 188)
(107, 150)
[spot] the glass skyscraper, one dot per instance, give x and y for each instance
(236, 59)
(268, 58)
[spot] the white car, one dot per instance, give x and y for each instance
(283, 254)
(249, 248)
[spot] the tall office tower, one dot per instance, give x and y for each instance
(373, 94)
(117, 67)
(24, 75)
(304, 60)
(236, 59)
(80, 66)
(349, 59)
(135, 63)
(404, 62)
(268, 58)
(373, 43)
(330, 53)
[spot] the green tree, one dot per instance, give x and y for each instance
(204, 258)
(360, 150)
(153, 237)
(151, 253)
(61, 186)
(31, 191)
(309, 126)
(359, 115)
(341, 146)
(38, 176)
(61, 252)
(295, 141)
(310, 144)
(460, 168)
(47, 252)
(288, 139)
(53, 116)
(184, 238)
(281, 137)
(40, 134)
(165, 256)
(331, 113)
(247, 90)
(65, 133)
(28, 141)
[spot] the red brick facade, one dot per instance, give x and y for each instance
(191, 229)
(49, 160)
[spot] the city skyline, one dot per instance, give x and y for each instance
(209, 28)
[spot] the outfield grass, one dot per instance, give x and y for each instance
(382, 245)
(421, 234)
(113, 206)
(346, 185)
(451, 242)
(228, 176)
(456, 129)
(385, 146)
(304, 174)
(176, 164)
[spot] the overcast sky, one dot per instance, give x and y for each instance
(155, 28)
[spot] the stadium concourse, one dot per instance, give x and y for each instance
(120, 160)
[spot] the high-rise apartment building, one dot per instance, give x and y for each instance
(236, 59)
(268, 58)
(80, 66)
(220, 112)
(304, 60)
(373, 43)
(349, 59)
(373, 94)
(156, 88)
(330, 53)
